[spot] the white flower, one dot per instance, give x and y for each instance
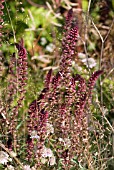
(43, 41)
(27, 167)
(88, 62)
(91, 62)
(47, 155)
(76, 66)
(81, 55)
(4, 157)
(50, 47)
(52, 160)
(10, 167)
(61, 140)
(46, 152)
(34, 135)
(13, 154)
(49, 128)
(43, 160)
(67, 142)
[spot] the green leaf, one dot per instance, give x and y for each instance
(20, 27)
(19, 125)
(85, 5)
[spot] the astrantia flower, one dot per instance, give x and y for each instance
(4, 157)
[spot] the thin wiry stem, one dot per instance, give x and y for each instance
(11, 22)
(100, 65)
(35, 4)
(111, 127)
(97, 30)
(11, 154)
(101, 55)
(86, 35)
(102, 48)
(89, 4)
(85, 49)
(107, 75)
(109, 30)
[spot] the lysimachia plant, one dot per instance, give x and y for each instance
(62, 103)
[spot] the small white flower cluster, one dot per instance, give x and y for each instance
(27, 167)
(10, 167)
(34, 135)
(49, 128)
(4, 157)
(47, 156)
(66, 142)
(91, 61)
(76, 66)
(43, 40)
(50, 47)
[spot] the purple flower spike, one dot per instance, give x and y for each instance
(69, 18)
(92, 81)
(1, 20)
(63, 102)
(21, 69)
(93, 78)
(21, 49)
(48, 78)
(68, 43)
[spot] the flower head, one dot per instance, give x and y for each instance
(10, 167)
(27, 167)
(4, 157)
(46, 152)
